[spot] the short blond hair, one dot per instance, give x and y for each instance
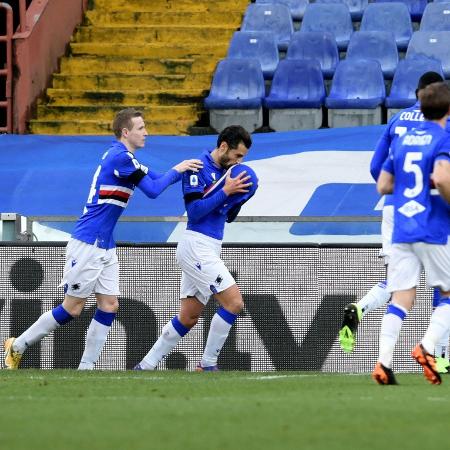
(123, 120)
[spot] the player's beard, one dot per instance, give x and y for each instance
(224, 161)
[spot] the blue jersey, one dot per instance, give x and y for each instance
(112, 187)
(398, 125)
(420, 213)
(204, 212)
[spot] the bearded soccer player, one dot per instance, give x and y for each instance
(91, 260)
(212, 197)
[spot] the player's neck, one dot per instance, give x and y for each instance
(215, 157)
(129, 147)
(441, 122)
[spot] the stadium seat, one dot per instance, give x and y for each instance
(236, 94)
(406, 77)
(357, 93)
(260, 45)
(436, 17)
(296, 96)
(334, 18)
(378, 45)
(297, 7)
(270, 17)
(319, 45)
(393, 17)
(356, 7)
(415, 7)
(434, 44)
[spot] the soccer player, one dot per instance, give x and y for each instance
(204, 274)
(417, 172)
(91, 259)
(378, 295)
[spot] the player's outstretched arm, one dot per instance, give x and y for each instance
(441, 178)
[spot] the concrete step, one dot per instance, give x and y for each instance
(154, 50)
(122, 81)
(95, 127)
(176, 18)
(171, 5)
(96, 65)
(103, 113)
(75, 97)
(150, 34)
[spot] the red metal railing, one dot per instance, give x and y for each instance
(22, 16)
(7, 71)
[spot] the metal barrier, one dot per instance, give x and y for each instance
(23, 16)
(7, 72)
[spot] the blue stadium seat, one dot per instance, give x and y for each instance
(434, 44)
(319, 45)
(392, 17)
(236, 94)
(296, 96)
(378, 45)
(297, 7)
(436, 17)
(415, 7)
(357, 92)
(406, 77)
(260, 45)
(334, 18)
(356, 7)
(270, 17)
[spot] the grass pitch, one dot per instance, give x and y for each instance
(66, 409)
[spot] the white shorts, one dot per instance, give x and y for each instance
(204, 273)
(387, 228)
(408, 260)
(90, 269)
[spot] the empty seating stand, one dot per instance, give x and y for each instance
(436, 17)
(297, 7)
(270, 17)
(392, 17)
(296, 96)
(318, 45)
(357, 93)
(415, 7)
(356, 7)
(334, 18)
(260, 45)
(406, 78)
(434, 44)
(236, 94)
(378, 45)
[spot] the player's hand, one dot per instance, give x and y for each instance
(189, 164)
(237, 185)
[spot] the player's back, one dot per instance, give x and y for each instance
(421, 215)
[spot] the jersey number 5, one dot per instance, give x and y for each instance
(410, 166)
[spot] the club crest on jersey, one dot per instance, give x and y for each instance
(219, 279)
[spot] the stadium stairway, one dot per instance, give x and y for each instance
(158, 56)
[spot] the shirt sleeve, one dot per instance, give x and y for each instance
(444, 151)
(381, 153)
(153, 187)
(388, 165)
(125, 164)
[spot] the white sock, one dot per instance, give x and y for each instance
(41, 328)
(439, 326)
(95, 340)
(171, 334)
(376, 297)
(441, 349)
(221, 324)
(390, 329)
(96, 336)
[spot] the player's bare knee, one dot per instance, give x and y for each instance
(107, 303)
